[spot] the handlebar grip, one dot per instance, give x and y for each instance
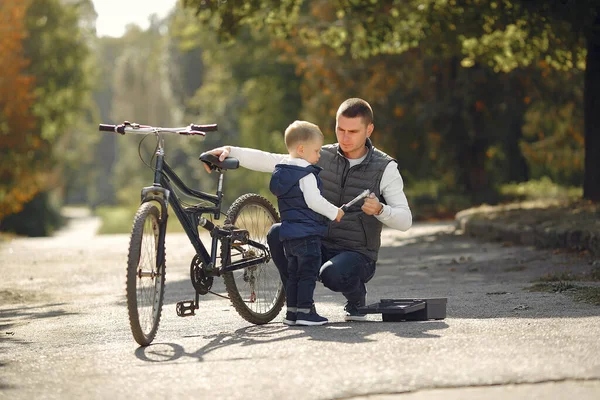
(106, 128)
(112, 128)
(204, 128)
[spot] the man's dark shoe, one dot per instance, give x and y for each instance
(351, 308)
(290, 318)
(352, 313)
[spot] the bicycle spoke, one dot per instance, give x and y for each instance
(259, 287)
(145, 278)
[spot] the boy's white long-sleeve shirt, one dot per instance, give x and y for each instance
(396, 213)
(310, 191)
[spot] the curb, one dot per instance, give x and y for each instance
(480, 223)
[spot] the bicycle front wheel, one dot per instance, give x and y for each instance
(256, 292)
(145, 274)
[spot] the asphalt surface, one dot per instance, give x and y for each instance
(64, 330)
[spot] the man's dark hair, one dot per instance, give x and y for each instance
(356, 107)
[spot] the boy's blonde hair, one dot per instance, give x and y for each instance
(301, 132)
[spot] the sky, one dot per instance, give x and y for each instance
(115, 15)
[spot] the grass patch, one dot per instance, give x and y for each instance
(119, 219)
(562, 276)
(6, 237)
(595, 274)
(115, 219)
(551, 287)
(539, 189)
(432, 200)
(592, 276)
(582, 294)
(590, 295)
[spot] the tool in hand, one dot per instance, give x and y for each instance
(361, 196)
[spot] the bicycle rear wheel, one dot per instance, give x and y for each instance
(256, 292)
(145, 277)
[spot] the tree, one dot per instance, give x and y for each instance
(246, 87)
(141, 93)
(21, 175)
(48, 35)
(591, 180)
(501, 34)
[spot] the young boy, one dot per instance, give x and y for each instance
(303, 210)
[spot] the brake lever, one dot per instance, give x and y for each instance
(192, 133)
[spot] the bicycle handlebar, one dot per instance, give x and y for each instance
(109, 128)
(204, 128)
(129, 127)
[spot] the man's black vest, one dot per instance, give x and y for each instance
(356, 231)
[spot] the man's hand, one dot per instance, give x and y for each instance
(222, 152)
(371, 205)
(340, 215)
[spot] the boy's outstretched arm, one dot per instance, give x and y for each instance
(316, 202)
(253, 159)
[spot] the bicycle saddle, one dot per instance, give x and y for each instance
(213, 161)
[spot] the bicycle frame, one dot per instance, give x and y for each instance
(145, 278)
(191, 217)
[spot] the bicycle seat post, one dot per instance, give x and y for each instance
(219, 193)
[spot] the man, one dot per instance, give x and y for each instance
(350, 166)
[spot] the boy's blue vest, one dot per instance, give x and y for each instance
(297, 220)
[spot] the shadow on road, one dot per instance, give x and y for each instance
(353, 333)
(11, 318)
(4, 386)
(480, 279)
(345, 332)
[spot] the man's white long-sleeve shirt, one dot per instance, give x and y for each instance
(396, 213)
(310, 191)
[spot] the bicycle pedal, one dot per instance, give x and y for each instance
(186, 308)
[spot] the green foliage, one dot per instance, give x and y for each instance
(58, 52)
(504, 34)
(440, 87)
(430, 69)
(247, 88)
(433, 199)
(141, 93)
(60, 72)
(22, 154)
(39, 217)
(539, 189)
(115, 219)
(118, 219)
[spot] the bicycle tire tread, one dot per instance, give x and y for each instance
(132, 260)
(229, 279)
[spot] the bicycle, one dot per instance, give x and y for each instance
(251, 279)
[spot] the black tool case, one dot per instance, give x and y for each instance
(393, 310)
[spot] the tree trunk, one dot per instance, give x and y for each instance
(517, 168)
(591, 101)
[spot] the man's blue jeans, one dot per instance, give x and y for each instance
(342, 271)
(303, 263)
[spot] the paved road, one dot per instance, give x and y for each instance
(64, 330)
